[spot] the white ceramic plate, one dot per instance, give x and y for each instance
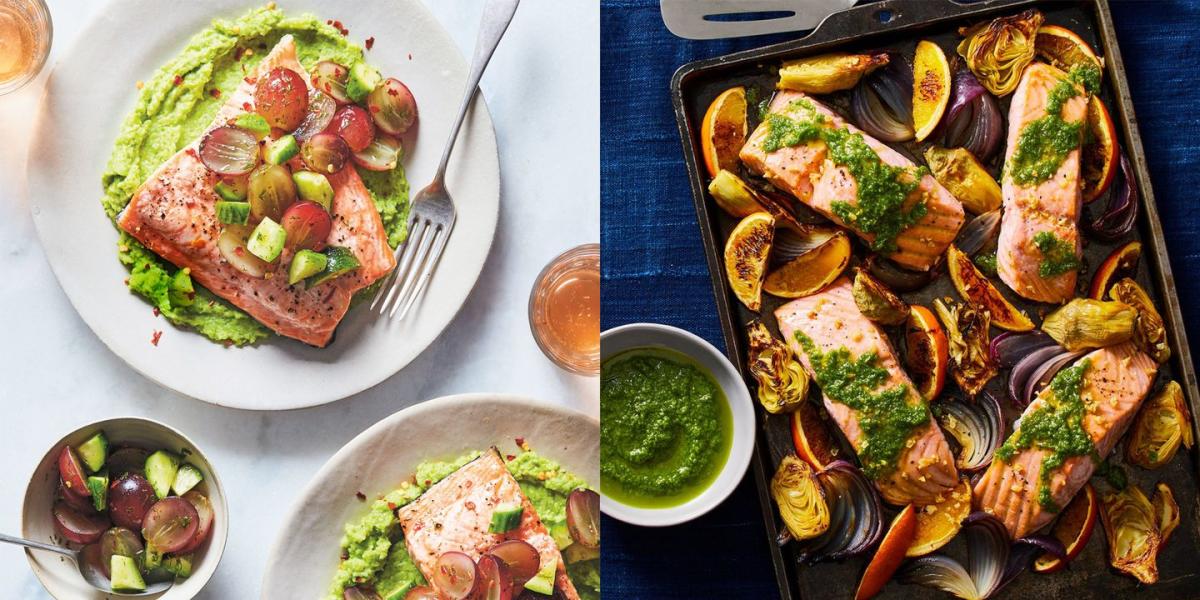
(59, 575)
(88, 96)
(306, 553)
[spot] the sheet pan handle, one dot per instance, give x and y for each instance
(892, 15)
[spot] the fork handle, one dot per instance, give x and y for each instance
(497, 14)
(37, 545)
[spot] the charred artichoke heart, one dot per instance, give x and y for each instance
(1133, 534)
(1084, 324)
(800, 498)
(971, 364)
(959, 172)
(998, 51)
(1148, 333)
(876, 302)
(1166, 511)
(782, 382)
(828, 72)
(1162, 425)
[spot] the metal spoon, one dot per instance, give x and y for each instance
(93, 579)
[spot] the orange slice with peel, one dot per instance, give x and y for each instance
(976, 288)
(1063, 48)
(812, 438)
(746, 253)
(723, 130)
(810, 272)
(927, 351)
(1073, 528)
(890, 553)
(1101, 155)
(938, 523)
(1122, 262)
(931, 88)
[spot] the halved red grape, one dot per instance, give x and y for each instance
(170, 524)
(270, 191)
(281, 97)
(70, 469)
(382, 154)
(91, 561)
(232, 244)
(77, 526)
(330, 78)
(321, 109)
(521, 558)
(75, 501)
(495, 582)
(392, 106)
(357, 593)
(127, 460)
(118, 541)
(307, 225)
(325, 153)
(583, 517)
(129, 499)
(455, 575)
(354, 125)
(422, 592)
(204, 509)
(229, 150)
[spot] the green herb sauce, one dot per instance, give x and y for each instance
(666, 428)
(1045, 142)
(1057, 427)
(882, 189)
(1113, 474)
(986, 263)
(1058, 256)
(888, 417)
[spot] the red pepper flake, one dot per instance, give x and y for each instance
(427, 483)
(470, 505)
(374, 108)
(238, 251)
(190, 152)
(227, 343)
(521, 443)
(215, 93)
(157, 336)
(156, 311)
(246, 106)
(392, 91)
(238, 53)
(370, 42)
(178, 79)
(410, 56)
(392, 506)
(361, 496)
(511, 457)
(250, 80)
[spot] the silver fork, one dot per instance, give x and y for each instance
(432, 215)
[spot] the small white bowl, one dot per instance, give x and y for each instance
(58, 574)
(653, 335)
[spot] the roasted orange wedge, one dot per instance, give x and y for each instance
(890, 553)
(810, 272)
(1122, 262)
(938, 523)
(812, 438)
(1100, 156)
(931, 87)
(926, 351)
(746, 253)
(1062, 48)
(974, 287)
(723, 130)
(1073, 529)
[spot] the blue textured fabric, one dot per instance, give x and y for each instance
(654, 268)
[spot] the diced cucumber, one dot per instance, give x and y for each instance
(562, 535)
(363, 79)
(98, 485)
(306, 263)
(282, 150)
(267, 240)
(233, 190)
(506, 517)
(187, 478)
(161, 468)
(94, 451)
(314, 187)
(180, 566)
(339, 261)
(152, 558)
(543, 582)
(254, 123)
(126, 577)
(182, 292)
(232, 212)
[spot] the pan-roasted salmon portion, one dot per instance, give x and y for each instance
(1040, 217)
(808, 172)
(174, 215)
(1115, 380)
(889, 410)
(454, 515)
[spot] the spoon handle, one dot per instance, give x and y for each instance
(497, 14)
(37, 545)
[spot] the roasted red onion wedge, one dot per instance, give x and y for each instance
(855, 515)
(977, 426)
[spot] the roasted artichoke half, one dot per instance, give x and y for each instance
(998, 51)
(1162, 425)
(876, 302)
(828, 72)
(782, 381)
(1084, 324)
(971, 364)
(1148, 333)
(1133, 533)
(800, 498)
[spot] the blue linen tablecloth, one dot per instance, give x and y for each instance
(654, 268)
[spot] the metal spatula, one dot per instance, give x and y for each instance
(712, 19)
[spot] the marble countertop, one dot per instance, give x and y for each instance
(55, 375)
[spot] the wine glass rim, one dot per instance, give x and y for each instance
(39, 6)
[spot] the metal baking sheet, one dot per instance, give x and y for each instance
(898, 25)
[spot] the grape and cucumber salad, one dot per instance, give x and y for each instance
(275, 159)
(139, 514)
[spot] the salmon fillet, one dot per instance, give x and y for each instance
(174, 215)
(832, 320)
(1052, 206)
(1116, 383)
(806, 172)
(455, 513)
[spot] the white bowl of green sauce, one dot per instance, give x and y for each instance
(677, 425)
